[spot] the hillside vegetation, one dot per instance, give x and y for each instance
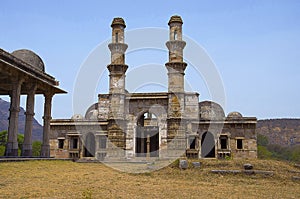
(283, 132)
(36, 145)
(276, 151)
(37, 129)
(63, 179)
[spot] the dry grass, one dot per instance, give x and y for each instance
(61, 179)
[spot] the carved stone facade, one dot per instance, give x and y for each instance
(124, 125)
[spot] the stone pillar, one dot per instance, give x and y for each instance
(148, 146)
(12, 140)
(27, 145)
(46, 128)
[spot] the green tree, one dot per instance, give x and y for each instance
(262, 140)
(36, 145)
(20, 143)
(263, 152)
(3, 138)
(3, 141)
(36, 148)
(295, 156)
(2, 150)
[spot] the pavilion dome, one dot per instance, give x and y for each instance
(235, 114)
(30, 58)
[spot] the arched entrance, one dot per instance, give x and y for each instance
(208, 145)
(147, 136)
(89, 145)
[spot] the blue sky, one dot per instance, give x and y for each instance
(255, 45)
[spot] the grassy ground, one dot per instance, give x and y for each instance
(62, 179)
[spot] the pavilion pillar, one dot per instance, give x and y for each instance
(12, 139)
(46, 128)
(27, 144)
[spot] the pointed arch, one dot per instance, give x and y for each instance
(208, 145)
(89, 145)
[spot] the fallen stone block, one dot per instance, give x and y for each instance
(196, 164)
(252, 172)
(248, 172)
(296, 178)
(183, 164)
(248, 166)
(226, 171)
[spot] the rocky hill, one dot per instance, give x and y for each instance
(37, 130)
(284, 132)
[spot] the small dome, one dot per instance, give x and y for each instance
(30, 58)
(175, 19)
(234, 115)
(77, 117)
(118, 21)
(211, 111)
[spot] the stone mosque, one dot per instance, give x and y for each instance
(132, 126)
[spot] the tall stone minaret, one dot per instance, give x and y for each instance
(175, 66)
(117, 69)
(176, 142)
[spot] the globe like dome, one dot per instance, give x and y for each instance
(92, 112)
(30, 58)
(234, 115)
(211, 111)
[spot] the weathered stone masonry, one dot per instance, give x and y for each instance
(131, 126)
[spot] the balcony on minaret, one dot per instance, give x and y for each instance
(117, 52)
(175, 50)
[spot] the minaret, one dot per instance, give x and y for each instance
(176, 139)
(117, 69)
(175, 66)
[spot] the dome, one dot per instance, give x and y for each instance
(118, 21)
(175, 19)
(30, 58)
(77, 117)
(234, 115)
(211, 111)
(92, 112)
